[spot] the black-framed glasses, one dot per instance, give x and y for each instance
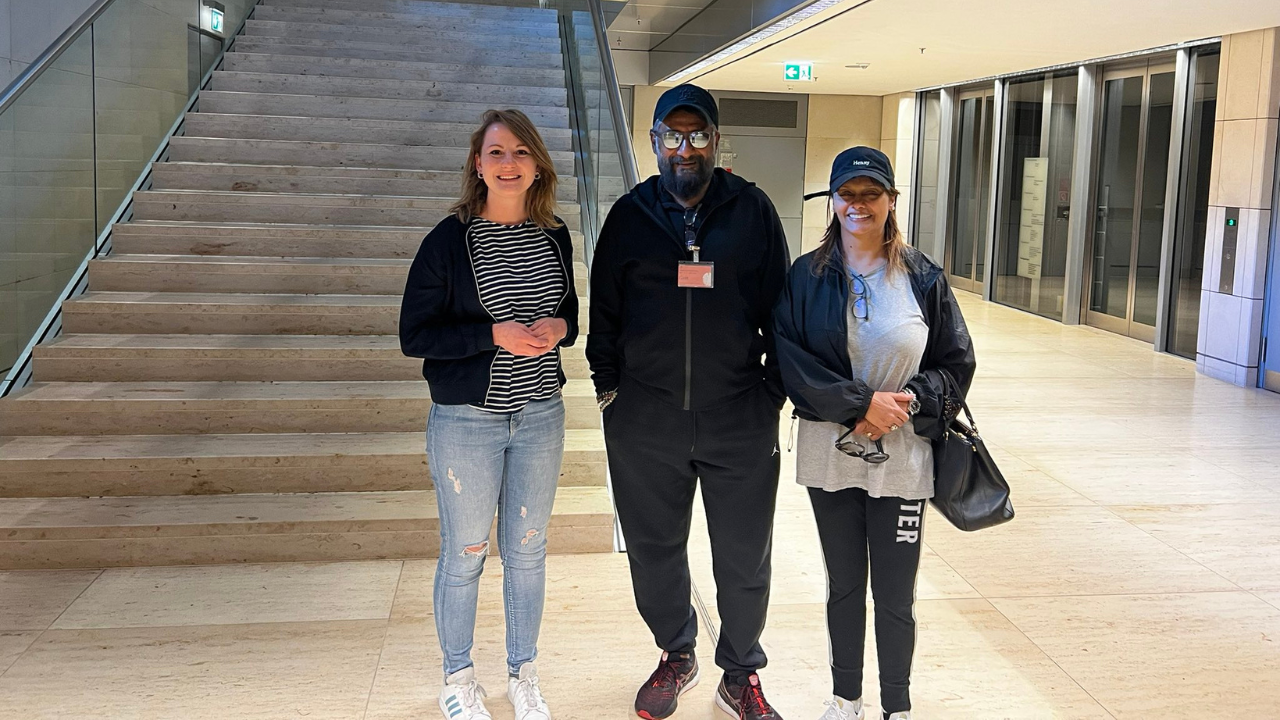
(861, 297)
(853, 448)
(673, 139)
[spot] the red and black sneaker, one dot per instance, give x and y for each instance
(745, 701)
(676, 673)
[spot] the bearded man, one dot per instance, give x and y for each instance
(684, 278)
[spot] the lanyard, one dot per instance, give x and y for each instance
(690, 231)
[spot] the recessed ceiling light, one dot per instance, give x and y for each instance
(758, 36)
(859, 66)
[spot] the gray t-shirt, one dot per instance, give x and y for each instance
(885, 350)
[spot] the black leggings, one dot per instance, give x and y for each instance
(853, 526)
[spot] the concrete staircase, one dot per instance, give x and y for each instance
(231, 388)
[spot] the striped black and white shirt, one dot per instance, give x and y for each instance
(520, 277)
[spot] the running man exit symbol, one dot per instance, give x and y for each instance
(798, 71)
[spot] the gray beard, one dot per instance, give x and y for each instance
(684, 186)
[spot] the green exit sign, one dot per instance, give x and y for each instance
(797, 72)
(215, 20)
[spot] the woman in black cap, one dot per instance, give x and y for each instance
(867, 328)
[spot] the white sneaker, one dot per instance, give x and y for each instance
(462, 697)
(526, 696)
(840, 709)
(904, 715)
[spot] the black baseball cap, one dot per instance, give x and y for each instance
(855, 162)
(687, 96)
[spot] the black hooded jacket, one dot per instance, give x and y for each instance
(693, 348)
(443, 321)
(811, 324)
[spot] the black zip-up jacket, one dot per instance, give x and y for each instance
(693, 348)
(811, 323)
(443, 321)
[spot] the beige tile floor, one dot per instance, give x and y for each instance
(1139, 580)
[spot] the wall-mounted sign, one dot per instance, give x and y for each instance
(213, 17)
(797, 72)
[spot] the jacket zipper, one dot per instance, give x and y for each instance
(688, 346)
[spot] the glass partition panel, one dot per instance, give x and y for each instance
(47, 214)
(1031, 254)
(1193, 216)
(1155, 171)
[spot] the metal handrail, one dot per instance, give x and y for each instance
(52, 53)
(20, 374)
(626, 153)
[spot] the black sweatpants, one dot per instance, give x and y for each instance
(854, 527)
(657, 455)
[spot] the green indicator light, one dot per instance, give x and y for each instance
(1231, 222)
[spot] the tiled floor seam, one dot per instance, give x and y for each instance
(1111, 509)
(1051, 659)
(53, 622)
(386, 633)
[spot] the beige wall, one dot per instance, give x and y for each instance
(897, 141)
(836, 122)
(28, 26)
(646, 98)
(1243, 170)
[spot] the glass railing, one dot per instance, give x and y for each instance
(77, 131)
(605, 160)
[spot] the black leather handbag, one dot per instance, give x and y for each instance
(968, 488)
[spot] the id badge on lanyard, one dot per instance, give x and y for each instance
(695, 274)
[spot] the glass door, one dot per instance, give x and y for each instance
(966, 250)
(1129, 195)
(1271, 330)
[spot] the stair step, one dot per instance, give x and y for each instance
(157, 465)
(280, 358)
(329, 106)
(180, 408)
(305, 275)
(421, 213)
(116, 532)
(331, 154)
(241, 61)
(268, 240)
(542, 26)
(229, 314)
(285, 84)
(519, 39)
(408, 52)
(346, 130)
(498, 10)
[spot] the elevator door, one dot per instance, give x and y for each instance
(1129, 200)
(967, 242)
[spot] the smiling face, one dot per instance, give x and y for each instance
(505, 163)
(686, 170)
(862, 205)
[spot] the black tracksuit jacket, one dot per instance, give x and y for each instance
(695, 349)
(811, 324)
(443, 321)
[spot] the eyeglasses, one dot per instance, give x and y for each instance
(672, 139)
(853, 448)
(861, 297)
(866, 197)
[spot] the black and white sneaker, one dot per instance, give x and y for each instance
(658, 697)
(745, 701)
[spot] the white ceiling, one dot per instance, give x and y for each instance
(968, 39)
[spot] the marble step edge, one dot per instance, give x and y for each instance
(252, 58)
(500, 7)
(562, 158)
(159, 465)
(231, 120)
(346, 18)
(535, 53)
(304, 47)
(520, 35)
(380, 88)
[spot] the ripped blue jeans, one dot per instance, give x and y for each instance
(480, 462)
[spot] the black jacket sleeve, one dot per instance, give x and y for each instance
(568, 310)
(817, 390)
(426, 329)
(773, 280)
(606, 305)
(951, 352)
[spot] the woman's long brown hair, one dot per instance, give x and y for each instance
(829, 256)
(540, 200)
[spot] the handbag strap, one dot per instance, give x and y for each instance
(952, 389)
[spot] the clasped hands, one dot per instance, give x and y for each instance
(530, 341)
(887, 413)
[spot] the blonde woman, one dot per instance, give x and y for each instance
(489, 301)
(866, 329)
